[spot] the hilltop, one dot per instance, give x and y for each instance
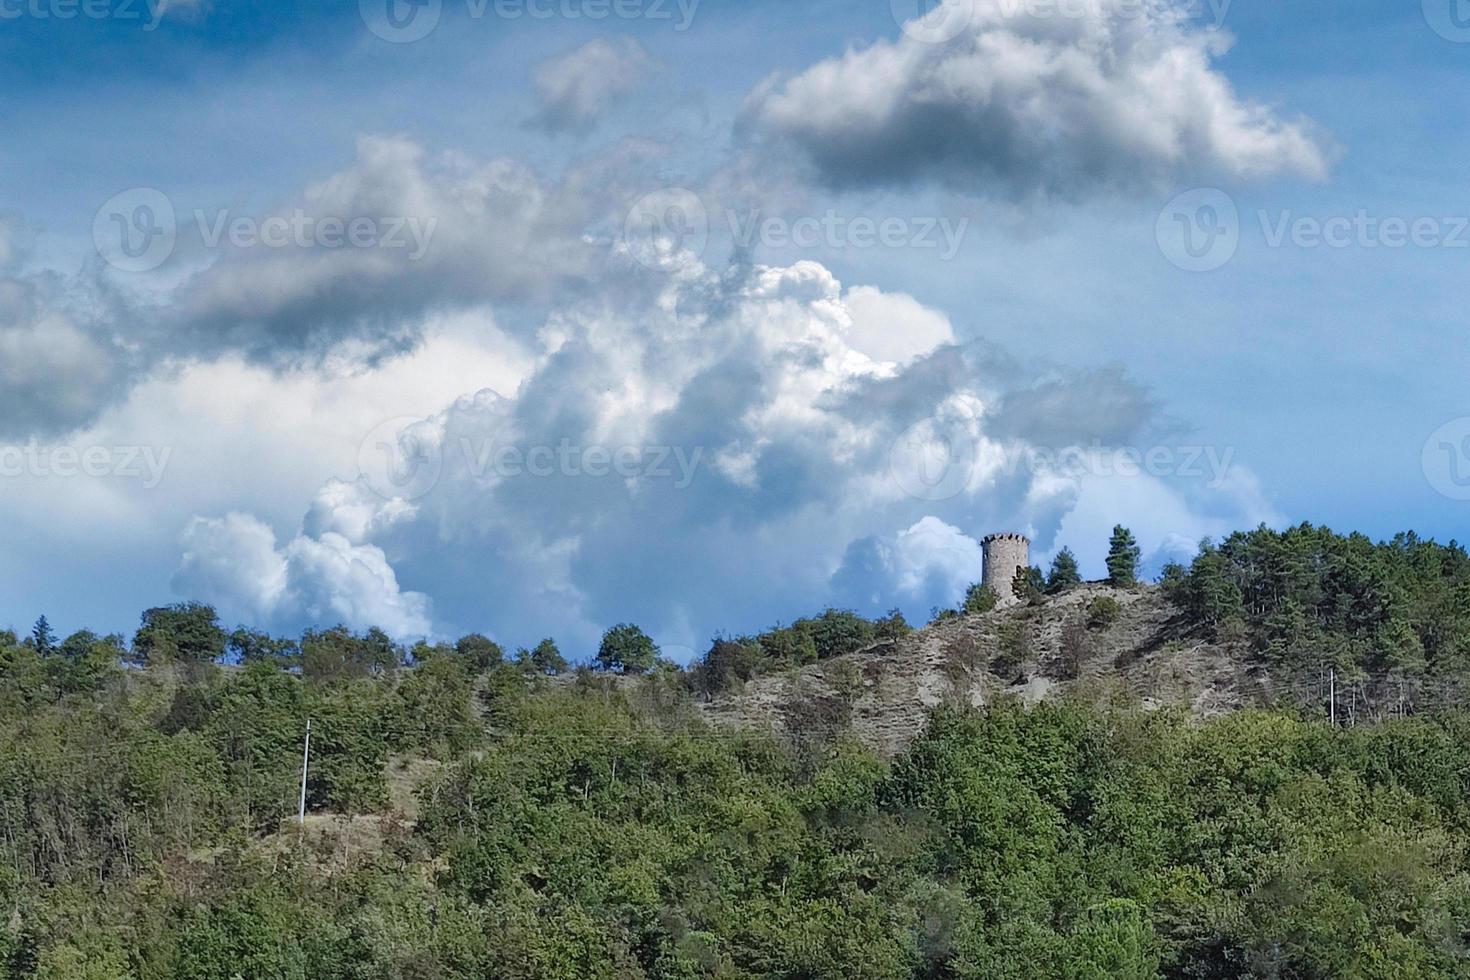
(885, 692)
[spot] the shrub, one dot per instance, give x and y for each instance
(1103, 612)
(980, 599)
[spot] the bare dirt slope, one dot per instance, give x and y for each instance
(1029, 652)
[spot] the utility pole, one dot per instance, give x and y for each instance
(1332, 711)
(305, 760)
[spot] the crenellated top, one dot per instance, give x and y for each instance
(1008, 536)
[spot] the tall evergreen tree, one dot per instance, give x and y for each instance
(1123, 558)
(42, 637)
(1064, 574)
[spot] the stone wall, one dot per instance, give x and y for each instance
(1004, 554)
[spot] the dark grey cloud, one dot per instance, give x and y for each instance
(1054, 100)
(61, 357)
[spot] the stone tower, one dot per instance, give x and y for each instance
(1004, 554)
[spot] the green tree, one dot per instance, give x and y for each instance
(42, 637)
(979, 599)
(1123, 558)
(478, 652)
(626, 649)
(188, 632)
(1064, 574)
(545, 658)
(251, 646)
(1028, 585)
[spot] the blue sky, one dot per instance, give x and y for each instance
(798, 381)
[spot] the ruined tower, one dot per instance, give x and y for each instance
(1004, 554)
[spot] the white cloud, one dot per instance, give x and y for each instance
(576, 89)
(894, 326)
(331, 579)
(933, 550)
(233, 562)
(1028, 99)
(761, 464)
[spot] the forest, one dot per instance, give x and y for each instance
(584, 821)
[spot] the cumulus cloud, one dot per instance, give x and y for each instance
(60, 362)
(436, 235)
(1064, 100)
(233, 561)
(576, 89)
(354, 512)
(894, 326)
(717, 457)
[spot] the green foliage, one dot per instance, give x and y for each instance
(186, 633)
(1028, 585)
(432, 708)
(731, 661)
(1064, 575)
(546, 658)
(338, 655)
(249, 646)
(599, 828)
(892, 627)
(980, 599)
(1015, 650)
(626, 649)
(480, 653)
(1103, 612)
(1123, 558)
(1307, 596)
(43, 638)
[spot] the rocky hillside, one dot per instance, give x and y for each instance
(1028, 652)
